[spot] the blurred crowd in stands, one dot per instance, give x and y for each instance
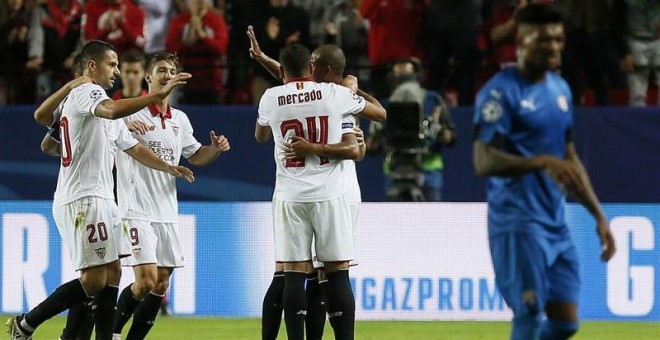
(612, 46)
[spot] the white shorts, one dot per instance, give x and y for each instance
(295, 224)
(88, 226)
(355, 214)
(151, 243)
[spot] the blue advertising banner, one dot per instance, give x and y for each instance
(416, 261)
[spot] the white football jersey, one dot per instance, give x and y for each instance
(351, 185)
(142, 192)
(89, 145)
(313, 111)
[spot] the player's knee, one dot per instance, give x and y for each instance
(143, 286)
(161, 286)
(559, 329)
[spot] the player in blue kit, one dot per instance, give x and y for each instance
(523, 143)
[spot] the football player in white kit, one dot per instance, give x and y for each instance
(84, 207)
(309, 200)
(328, 63)
(148, 200)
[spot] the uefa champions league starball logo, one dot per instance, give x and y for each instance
(491, 111)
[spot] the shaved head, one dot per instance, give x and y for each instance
(330, 55)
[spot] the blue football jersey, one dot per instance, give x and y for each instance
(525, 118)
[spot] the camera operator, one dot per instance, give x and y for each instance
(421, 166)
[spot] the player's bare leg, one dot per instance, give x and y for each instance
(562, 320)
(147, 311)
(294, 300)
(146, 276)
(271, 312)
(341, 302)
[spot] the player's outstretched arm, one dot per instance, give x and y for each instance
(209, 153)
(270, 64)
(143, 155)
(373, 110)
(586, 196)
(347, 149)
(111, 109)
(44, 114)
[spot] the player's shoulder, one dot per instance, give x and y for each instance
(500, 87)
(558, 80)
(178, 115)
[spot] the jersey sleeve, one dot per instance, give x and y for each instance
(189, 144)
(54, 130)
(348, 123)
(122, 136)
(347, 101)
(264, 109)
(90, 96)
(492, 116)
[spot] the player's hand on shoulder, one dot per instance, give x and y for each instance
(138, 127)
(79, 81)
(181, 172)
(608, 247)
(219, 142)
(351, 82)
(565, 173)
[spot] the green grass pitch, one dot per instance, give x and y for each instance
(187, 328)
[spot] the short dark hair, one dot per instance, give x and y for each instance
(95, 50)
(295, 58)
(539, 14)
(77, 66)
(132, 56)
(161, 56)
(331, 55)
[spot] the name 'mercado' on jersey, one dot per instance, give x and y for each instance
(89, 145)
(142, 192)
(526, 119)
(312, 111)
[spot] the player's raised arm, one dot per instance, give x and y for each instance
(44, 114)
(270, 64)
(372, 110)
(125, 107)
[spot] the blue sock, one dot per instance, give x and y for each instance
(526, 327)
(558, 329)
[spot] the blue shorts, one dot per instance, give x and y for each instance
(532, 270)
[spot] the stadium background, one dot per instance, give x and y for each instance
(425, 261)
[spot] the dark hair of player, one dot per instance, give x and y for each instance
(295, 59)
(132, 56)
(330, 55)
(162, 56)
(95, 50)
(539, 14)
(77, 67)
